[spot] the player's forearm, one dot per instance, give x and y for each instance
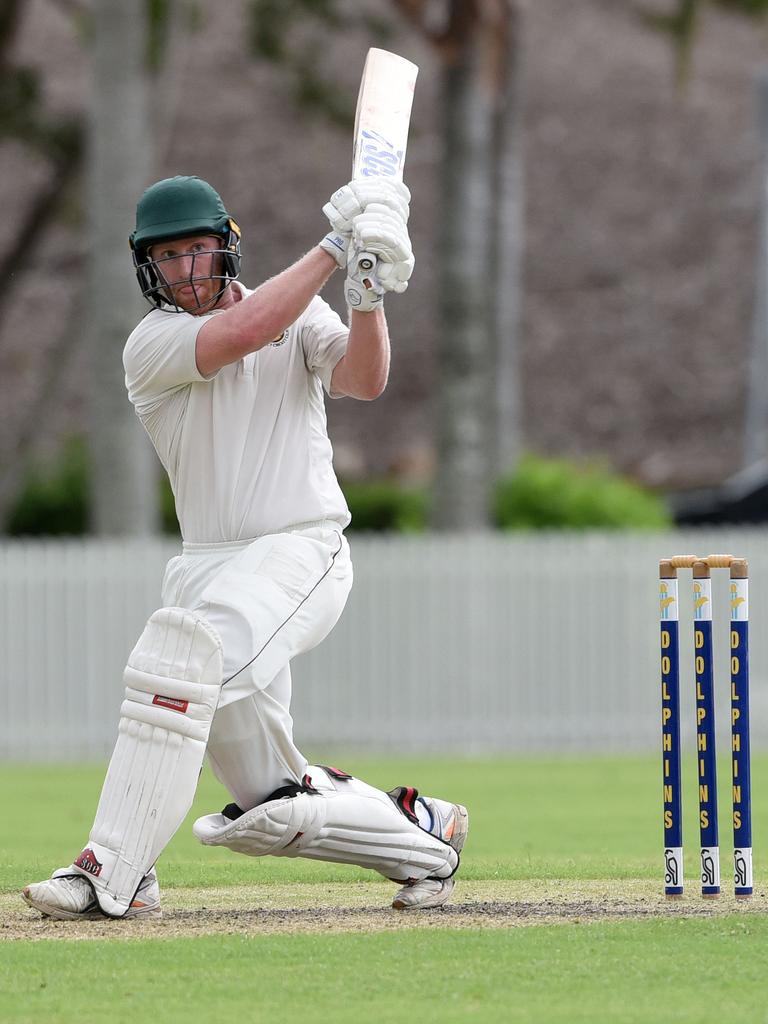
(252, 323)
(281, 300)
(363, 370)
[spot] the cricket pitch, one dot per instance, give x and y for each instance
(364, 907)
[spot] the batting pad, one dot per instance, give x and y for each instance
(343, 821)
(172, 684)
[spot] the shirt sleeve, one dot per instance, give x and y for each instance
(324, 340)
(159, 358)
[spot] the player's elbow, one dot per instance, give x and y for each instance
(371, 389)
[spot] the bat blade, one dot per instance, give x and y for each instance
(382, 120)
(383, 115)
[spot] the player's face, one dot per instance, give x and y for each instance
(191, 269)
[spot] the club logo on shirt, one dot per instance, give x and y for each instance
(279, 341)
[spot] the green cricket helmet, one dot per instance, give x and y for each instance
(175, 208)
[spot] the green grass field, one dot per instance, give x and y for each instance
(558, 915)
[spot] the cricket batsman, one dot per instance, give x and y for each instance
(228, 383)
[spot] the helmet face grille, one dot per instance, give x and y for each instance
(221, 265)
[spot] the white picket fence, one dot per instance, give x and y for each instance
(449, 644)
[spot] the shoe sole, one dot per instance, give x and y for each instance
(436, 899)
(90, 914)
(58, 914)
(149, 912)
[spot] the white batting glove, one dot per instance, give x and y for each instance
(351, 200)
(394, 277)
(383, 234)
(380, 258)
(361, 289)
(336, 244)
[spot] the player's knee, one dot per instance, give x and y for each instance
(174, 673)
(270, 828)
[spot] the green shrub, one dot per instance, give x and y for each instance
(386, 506)
(557, 494)
(541, 494)
(54, 500)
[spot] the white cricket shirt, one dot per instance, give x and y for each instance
(247, 450)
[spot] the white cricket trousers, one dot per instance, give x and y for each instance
(268, 599)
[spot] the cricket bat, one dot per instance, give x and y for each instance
(381, 124)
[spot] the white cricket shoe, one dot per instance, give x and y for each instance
(450, 822)
(66, 897)
(429, 892)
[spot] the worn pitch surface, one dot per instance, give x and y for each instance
(364, 907)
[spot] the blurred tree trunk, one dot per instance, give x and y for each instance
(465, 370)
(756, 419)
(507, 239)
(480, 250)
(124, 498)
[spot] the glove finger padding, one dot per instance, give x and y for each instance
(394, 277)
(353, 199)
(383, 233)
